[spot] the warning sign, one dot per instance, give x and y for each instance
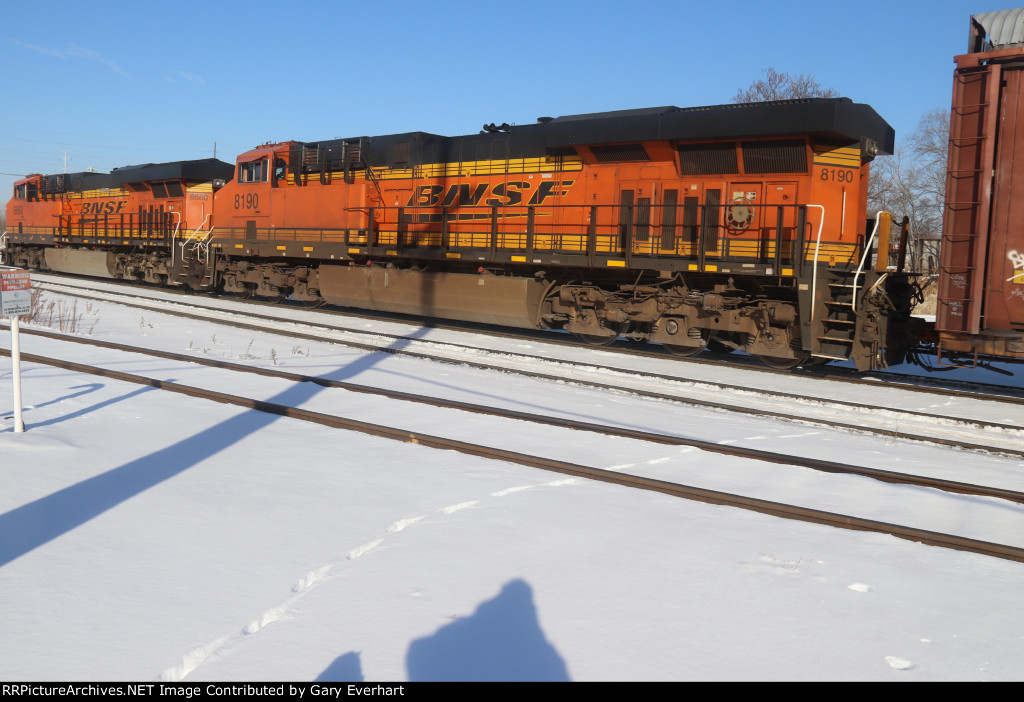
(15, 293)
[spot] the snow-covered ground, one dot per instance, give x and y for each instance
(146, 535)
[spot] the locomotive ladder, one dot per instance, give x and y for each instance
(837, 332)
(835, 326)
(195, 249)
(840, 330)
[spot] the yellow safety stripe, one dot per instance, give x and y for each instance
(465, 169)
(832, 156)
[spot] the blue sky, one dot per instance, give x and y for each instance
(108, 85)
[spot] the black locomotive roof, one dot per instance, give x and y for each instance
(833, 118)
(838, 119)
(76, 182)
(200, 171)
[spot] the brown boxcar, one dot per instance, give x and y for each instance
(981, 279)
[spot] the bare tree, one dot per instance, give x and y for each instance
(912, 182)
(930, 144)
(783, 86)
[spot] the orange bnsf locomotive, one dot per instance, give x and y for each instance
(116, 225)
(732, 226)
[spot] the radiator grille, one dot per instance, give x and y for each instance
(788, 156)
(708, 159)
(620, 152)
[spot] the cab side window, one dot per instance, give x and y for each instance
(253, 171)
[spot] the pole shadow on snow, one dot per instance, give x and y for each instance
(86, 410)
(501, 641)
(31, 525)
(88, 387)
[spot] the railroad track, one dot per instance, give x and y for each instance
(629, 480)
(936, 385)
(813, 405)
(625, 432)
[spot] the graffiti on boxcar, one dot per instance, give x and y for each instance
(1017, 260)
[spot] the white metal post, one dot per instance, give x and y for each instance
(19, 424)
(15, 300)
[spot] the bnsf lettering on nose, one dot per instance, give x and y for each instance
(95, 208)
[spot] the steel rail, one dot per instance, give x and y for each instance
(741, 409)
(715, 497)
(626, 371)
(921, 384)
(623, 432)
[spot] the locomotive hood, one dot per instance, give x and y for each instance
(829, 118)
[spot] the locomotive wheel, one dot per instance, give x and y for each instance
(783, 363)
(313, 304)
(595, 340)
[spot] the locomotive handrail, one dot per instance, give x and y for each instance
(814, 271)
(191, 237)
(174, 235)
(204, 243)
(625, 233)
(684, 235)
(196, 231)
(864, 257)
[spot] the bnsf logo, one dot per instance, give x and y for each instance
(112, 207)
(501, 194)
